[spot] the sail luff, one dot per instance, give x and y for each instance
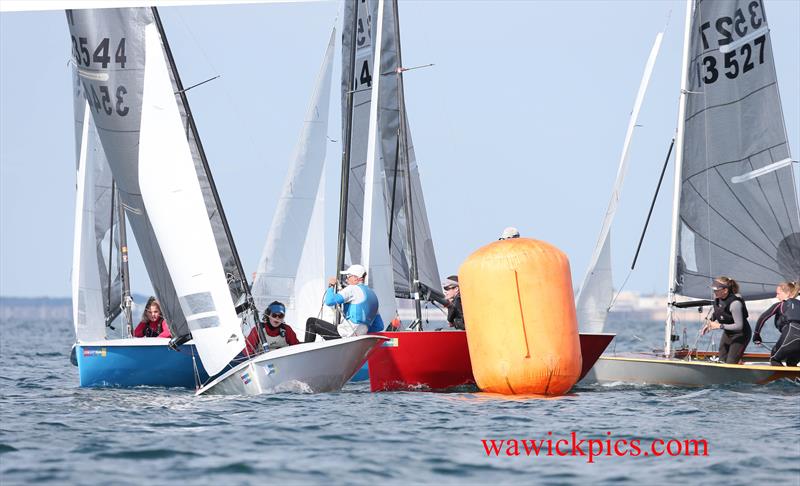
(348, 81)
(87, 295)
(676, 196)
(592, 313)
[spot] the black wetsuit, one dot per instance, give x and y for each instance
(455, 314)
(733, 341)
(787, 348)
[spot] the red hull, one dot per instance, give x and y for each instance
(439, 360)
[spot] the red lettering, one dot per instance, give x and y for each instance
(593, 443)
(669, 447)
(656, 452)
(536, 448)
(495, 448)
(512, 445)
(635, 447)
(576, 445)
(616, 447)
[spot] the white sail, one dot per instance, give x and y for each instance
(596, 292)
(287, 271)
(174, 202)
(88, 315)
(375, 236)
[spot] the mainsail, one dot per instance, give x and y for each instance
(733, 124)
(287, 271)
(143, 121)
(396, 167)
(96, 279)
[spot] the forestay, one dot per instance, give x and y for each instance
(733, 124)
(287, 271)
(139, 111)
(96, 279)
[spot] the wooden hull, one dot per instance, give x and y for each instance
(650, 370)
(317, 367)
(439, 360)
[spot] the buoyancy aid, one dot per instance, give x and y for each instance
(275, 337)
(722, 311)
(150, 332)
(790, 312)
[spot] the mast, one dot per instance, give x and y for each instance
(348, 136)
(123, 267)
(190, 120)
(109, 316)
(676, 198)
(403, 152)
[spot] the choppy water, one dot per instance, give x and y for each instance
(53, 432)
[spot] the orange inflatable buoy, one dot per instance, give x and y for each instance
(519, 311)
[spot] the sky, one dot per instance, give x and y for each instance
(520, 122)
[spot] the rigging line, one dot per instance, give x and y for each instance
(199, 84)
(614, 299)
(652, 204)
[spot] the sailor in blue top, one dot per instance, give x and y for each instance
(359, 306)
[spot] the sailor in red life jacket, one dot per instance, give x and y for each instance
(152, 325)
(278, 334)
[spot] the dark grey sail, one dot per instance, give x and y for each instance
(733, 224)
(145, 127)
(395, 147)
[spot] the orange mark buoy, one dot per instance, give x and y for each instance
(519, 311)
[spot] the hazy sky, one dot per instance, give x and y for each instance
(520, 122)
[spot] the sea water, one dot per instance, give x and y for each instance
(53, 432)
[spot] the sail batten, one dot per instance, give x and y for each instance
(733, 125)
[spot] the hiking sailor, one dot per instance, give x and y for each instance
(359, 308)
(787, 320)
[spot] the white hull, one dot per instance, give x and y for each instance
(313, 367)
(649, 370)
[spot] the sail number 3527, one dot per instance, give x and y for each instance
(739, 59)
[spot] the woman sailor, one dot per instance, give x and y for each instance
(730, 315)
(277, 333)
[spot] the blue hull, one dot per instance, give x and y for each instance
(115, 365)
(362, 374)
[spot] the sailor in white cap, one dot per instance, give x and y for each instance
(510, 232)
(359, 308)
